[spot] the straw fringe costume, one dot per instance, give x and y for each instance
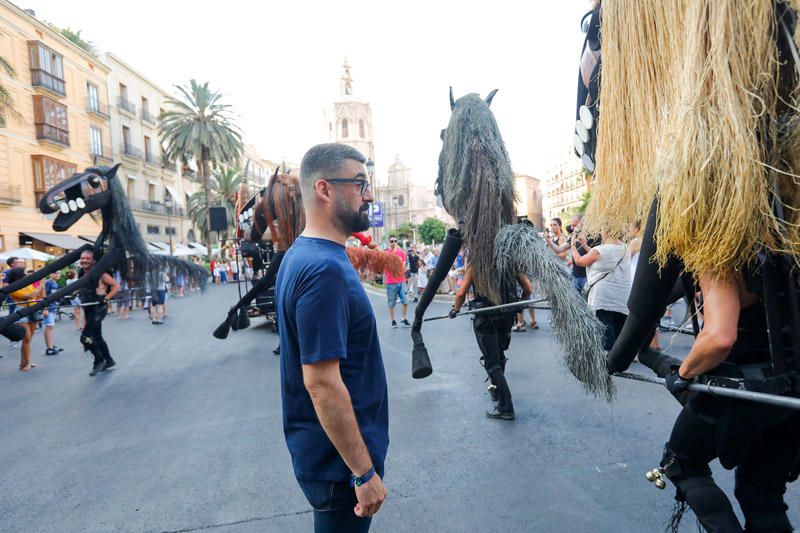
(476, 186)
(696, 105)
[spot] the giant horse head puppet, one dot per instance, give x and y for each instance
(119, 245)
(476, 186)
(277, 211)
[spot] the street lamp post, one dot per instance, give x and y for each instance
(370, 164)
(168, 206)
(395, 203)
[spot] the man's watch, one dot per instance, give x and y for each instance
(357, 481)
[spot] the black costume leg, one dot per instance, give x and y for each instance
(491, 342)
(691, 447)
(761, 480)
(92, 336)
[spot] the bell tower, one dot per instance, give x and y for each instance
(349, 118)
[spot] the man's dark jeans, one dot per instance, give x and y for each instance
(333, 505)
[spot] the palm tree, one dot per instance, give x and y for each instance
(225, 184)
(6, 100)
(202, 128)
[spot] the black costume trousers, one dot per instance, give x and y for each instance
(92, 336)
(493, 333)
(760, 441)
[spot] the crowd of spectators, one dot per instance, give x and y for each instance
(146, 300)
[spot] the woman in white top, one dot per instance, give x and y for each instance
(608, 272)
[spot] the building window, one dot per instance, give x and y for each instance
(126, 139)
(95, 141)
(147, 152)
(145, 105)
(361, 129)
(47, 172)
(153, 230)
(123, 91)
(169, 230)
(344, 128)
(131, 187)
(92, 97)
(151, 192)
(47, 68)
(50, 119)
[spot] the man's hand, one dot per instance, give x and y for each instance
(676, 384)
(370, 497)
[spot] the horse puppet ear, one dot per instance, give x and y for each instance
(491, 96)
(452, 100)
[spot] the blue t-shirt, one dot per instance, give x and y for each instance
(324, 313)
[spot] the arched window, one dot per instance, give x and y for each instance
(344, 128)
(361, 129)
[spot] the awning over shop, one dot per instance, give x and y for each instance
(60, 240)
(175, 196)
(182, 250)
(199, 247)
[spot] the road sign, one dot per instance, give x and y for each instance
(376, 215)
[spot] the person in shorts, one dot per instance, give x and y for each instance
(50, 314)
(396, 287)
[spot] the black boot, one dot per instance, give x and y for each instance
(109, 363)
(504, 410)
(99, 366)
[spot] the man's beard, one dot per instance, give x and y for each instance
(351, 220)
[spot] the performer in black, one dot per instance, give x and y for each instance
(92, 335)
(493, 333)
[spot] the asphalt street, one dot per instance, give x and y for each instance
(185, 435)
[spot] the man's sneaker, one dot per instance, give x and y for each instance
(394, 323)
(277, 350)
(405, 323)
(98, 367)
(109, 363)
(51, 351)
(497, 414)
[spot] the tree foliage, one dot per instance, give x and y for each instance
(76, 39)
(7, 106)
(432, 230)
(200, 127)
(225, 183)
(404, 231)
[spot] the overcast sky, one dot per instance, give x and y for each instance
(278, 64)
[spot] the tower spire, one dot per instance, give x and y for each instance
(346, 81)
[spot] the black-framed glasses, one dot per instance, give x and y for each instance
(363, 185)
(393, 240)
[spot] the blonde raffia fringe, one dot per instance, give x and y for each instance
(696, 131)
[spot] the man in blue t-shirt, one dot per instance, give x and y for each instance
(333, 384)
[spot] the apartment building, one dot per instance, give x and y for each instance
(157, 189)
(62, 126)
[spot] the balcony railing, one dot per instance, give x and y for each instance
(152, 160)
(130, 151)
(10, 194)
(147, 117)
(125, 105)
(42, 78)
(104, 155)
(97, 109)
(138, 204)
(46, 132)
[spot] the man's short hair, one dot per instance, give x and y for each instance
(326, 160)
(11, 260)
(392, 237)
